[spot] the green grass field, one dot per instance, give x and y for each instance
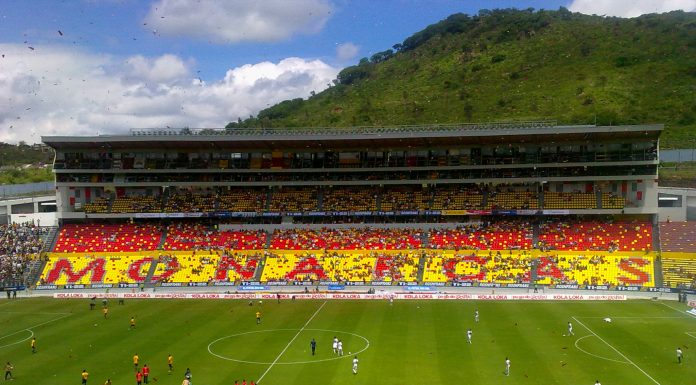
(409, 342)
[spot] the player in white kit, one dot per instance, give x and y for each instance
(340, 347)
(355, 365)
(335, 345)
(468, 336)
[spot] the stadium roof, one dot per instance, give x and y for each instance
(242, 139)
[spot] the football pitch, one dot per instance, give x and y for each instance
(407, 342)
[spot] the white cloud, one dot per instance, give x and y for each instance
(233, 21)
(347, 51)
(161, 69)
(64, 91)
(630, 8)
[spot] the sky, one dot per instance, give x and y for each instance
(98, 67)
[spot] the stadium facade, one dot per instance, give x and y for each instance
(500, 204)
(620, 161)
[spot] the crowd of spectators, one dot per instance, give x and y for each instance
(352, 198)
(19, 244)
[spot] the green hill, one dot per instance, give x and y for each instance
(504, 65)
(23, 163)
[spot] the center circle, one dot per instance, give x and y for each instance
(336, 333)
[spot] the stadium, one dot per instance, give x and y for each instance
(232, 249)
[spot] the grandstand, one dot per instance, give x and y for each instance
(678, 246)
(506, 204)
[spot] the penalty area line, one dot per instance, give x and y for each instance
(617, 351)
(290, 343)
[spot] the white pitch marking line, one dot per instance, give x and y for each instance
(33, 312)
(690, 334)
(616, 350)
(592, 354)
(31, 334)
(48, 322)
(367, 345)
(30, 331)
(676, 309)
(290, 343)
(635, 317)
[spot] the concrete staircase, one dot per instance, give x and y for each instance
(259, 269)
(421, 267)
(148, 278)
(49, 239)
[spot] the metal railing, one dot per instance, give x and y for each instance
(364, 130)
(27, 189)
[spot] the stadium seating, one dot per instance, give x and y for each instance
(450, 266)
(136, 204)
(352, 198)
(97, 206)
(192, 267)
(294, 199)
(353, 267)
(243, 200)
(107, 237)
(678, 245)
(678, 236)
(596, 269)
(595, 235)
(457, 197)
(129, 268)
(502, 235)
(404, 198)
(568, 200)
(512, 198)
(399, 267)
(190, 202)
(343, 266)
(358, 198)
(590, 252)
(94, 268)
(193, 236)
(346, 239)
(288, 266)
(238, 266)
(611, 201)
(679, 270)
